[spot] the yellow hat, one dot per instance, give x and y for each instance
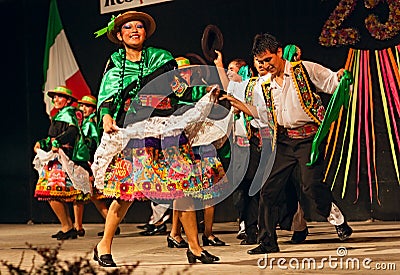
(61, 90)
(182, 62)
(88, 100)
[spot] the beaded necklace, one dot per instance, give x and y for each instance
(133, 93)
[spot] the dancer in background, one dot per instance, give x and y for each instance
(61, 179)
(90, 139)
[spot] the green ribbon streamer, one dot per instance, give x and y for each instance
(110, 27)
(340, 98)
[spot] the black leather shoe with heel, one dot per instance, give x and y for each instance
(159, 229)
(205, 257)
(174, 243)
(105, 260)
(213, 242)
(70, 234)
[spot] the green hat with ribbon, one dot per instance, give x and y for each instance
(88, 100)
(114, 26)
(61, 90)
(182, 62)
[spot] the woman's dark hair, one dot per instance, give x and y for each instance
(240, 62)
(265, 41)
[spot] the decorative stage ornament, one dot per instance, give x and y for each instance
(333, 34)
(383, 31)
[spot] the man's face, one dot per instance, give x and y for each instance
(270, 62)
(260, 68)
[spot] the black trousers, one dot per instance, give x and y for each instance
(289, 154)
(247, 205)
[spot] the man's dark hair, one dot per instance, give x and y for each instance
(263, 42)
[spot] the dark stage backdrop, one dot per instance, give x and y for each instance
(180, 26)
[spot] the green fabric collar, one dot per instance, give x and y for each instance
(110, 84)
(68, 115)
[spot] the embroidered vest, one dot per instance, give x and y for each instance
(306, 91)
(248, 98)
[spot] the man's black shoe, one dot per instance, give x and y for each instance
(160, 229)
(299, 236)
(344, 231)
(146, 226)
(263, 249)
(248, 242)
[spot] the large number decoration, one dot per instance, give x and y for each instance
(389, 29)
(334, 35)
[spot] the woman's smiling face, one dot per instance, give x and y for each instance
(132, 34)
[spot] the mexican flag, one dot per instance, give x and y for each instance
(59, 66)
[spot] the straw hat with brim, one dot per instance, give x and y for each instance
(61, 90)
(185, 63)
(212, 40)
(147, 20)
(88, 100)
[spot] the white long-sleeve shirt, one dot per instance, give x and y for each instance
(290, 113)
(238, 90)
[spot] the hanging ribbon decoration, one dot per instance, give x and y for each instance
(349, 61)
(385, 100)
(353, 98)
(360, 118)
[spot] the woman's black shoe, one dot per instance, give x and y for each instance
(159, 229)
(213, 242)
(81, 232)
(70, 234)
(117, 232)
(105, 260)
(174, 243)
(55, 236)
(205, 257)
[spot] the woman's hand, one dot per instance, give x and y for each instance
(109, 124)
(54, 149)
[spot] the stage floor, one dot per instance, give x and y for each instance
(373, 248)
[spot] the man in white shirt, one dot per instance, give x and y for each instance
(294, 110)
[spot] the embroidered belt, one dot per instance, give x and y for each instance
(305, 131)
(242, 141)
(264, 133)
(156, 101)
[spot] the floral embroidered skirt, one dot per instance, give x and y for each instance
(161, 169)
(55, 184)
